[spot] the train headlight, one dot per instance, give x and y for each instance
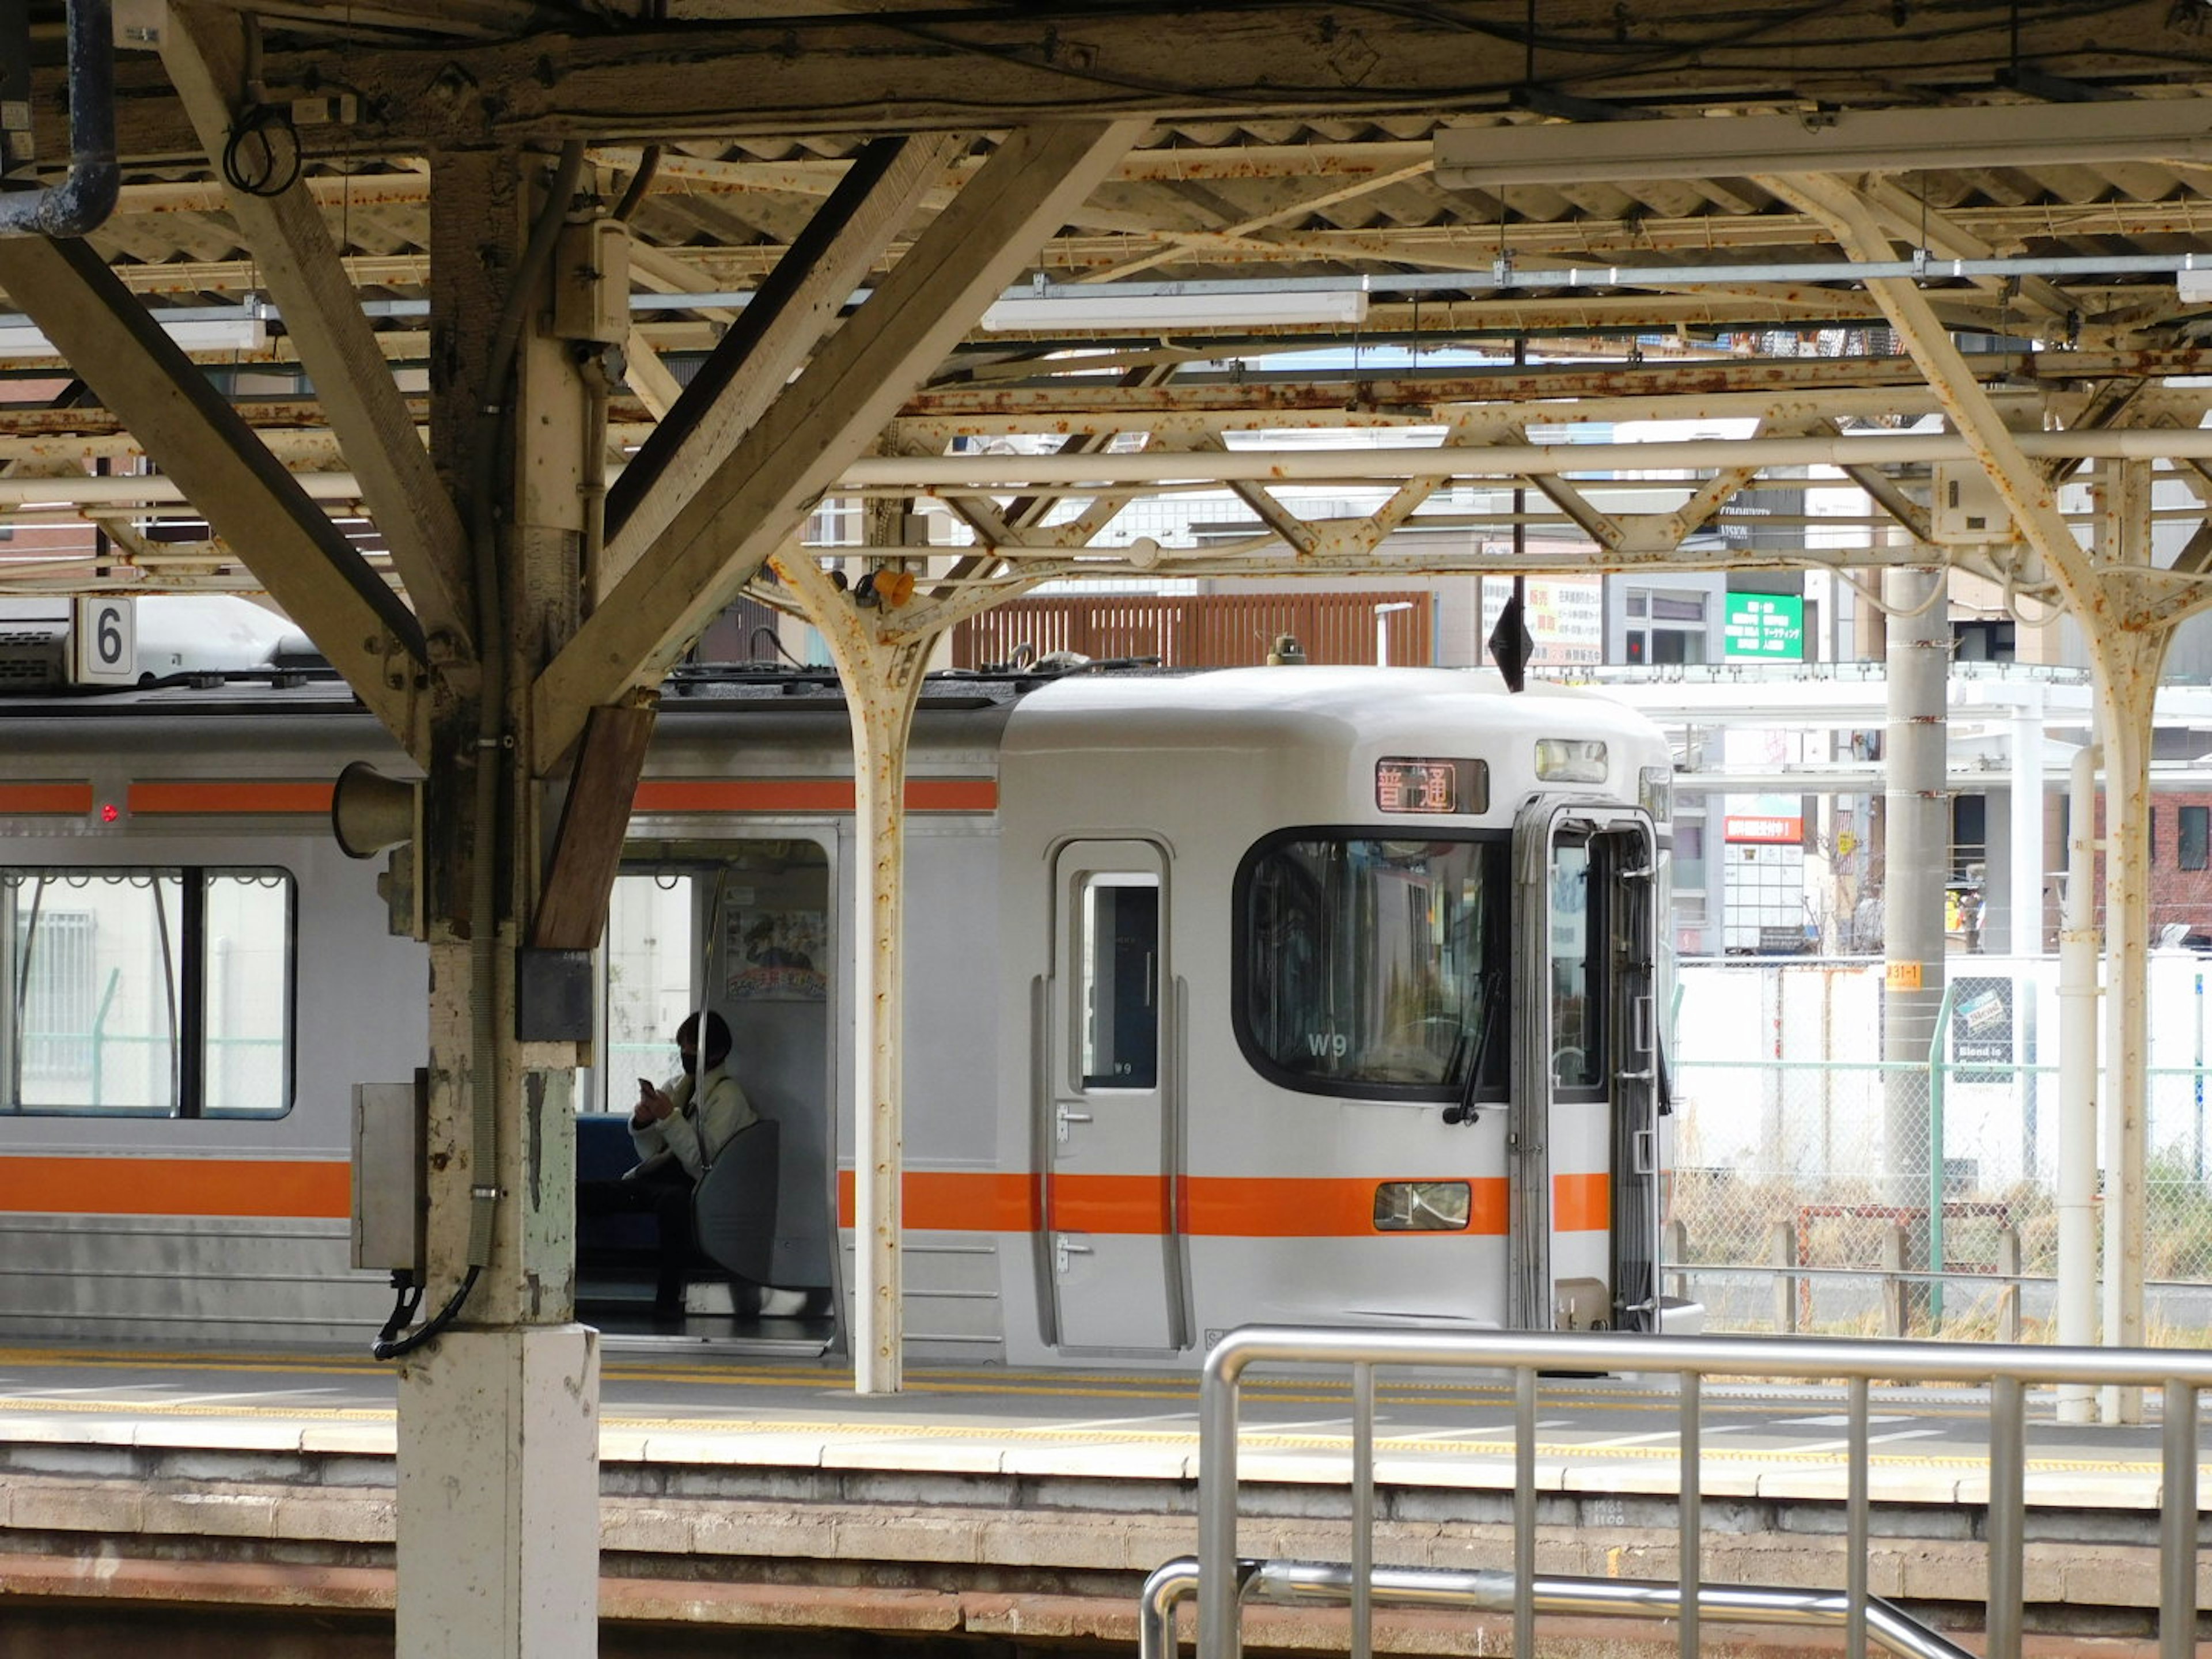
(1422, 1206)
(1569, 760)
(1654, 792)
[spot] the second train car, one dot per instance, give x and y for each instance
(1296, 994)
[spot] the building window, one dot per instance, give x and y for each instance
(1673, 631)
(2194, 837)
(1976, 641)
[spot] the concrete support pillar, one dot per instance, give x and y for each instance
(499, 1515)
(882, 670)
(1916, 861)
(498, 1477)
(2023, 934)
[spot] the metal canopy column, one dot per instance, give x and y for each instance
(1917, 828)
(2126, 634)
(2126, 657)
(882, 670)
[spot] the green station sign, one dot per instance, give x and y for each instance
(1771, 626)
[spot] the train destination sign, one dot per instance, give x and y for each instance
(1407, 784)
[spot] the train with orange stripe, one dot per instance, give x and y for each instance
(1292, 994)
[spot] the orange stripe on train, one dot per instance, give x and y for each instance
(935, 1201)
(1207, 1207)
(806, 795)
(42, 797)
(198, 796)
(1581, 1203)
(654, 795)
(287, 1189)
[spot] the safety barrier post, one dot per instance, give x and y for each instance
(1893, 1297)
(1936, 1073)
(1689, 1566)
(1782, 1251)
(2008, 1293)
(2177, 1522)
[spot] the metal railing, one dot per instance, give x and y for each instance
(1295, 1583)
(2007, 1371)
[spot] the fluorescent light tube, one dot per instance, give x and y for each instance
(1102, 308)
(240, 333)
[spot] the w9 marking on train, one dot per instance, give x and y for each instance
(1304, 994)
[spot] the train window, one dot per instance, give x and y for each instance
(149, 992)
(1119, 961)
(647, 968)
(1576, 1050)
(1368, 966)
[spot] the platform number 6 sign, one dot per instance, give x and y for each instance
(106, 642)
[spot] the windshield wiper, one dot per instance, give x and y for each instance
(1464, 1110)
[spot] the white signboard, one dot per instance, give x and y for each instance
(1567, 614)
(107, 644)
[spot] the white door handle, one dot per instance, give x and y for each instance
(1062, 1117)
(1063, 1248)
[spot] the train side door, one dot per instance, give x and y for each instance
(1113, 1252)
(1583, 1136)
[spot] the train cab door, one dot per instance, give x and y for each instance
(1582, 1139)
(1113, 1256)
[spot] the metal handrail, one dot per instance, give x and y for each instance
(1290, 1583)
(2005, 1368)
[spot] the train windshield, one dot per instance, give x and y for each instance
(1371, 964)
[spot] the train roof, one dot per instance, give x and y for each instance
(1075, 701)
(1255, 703)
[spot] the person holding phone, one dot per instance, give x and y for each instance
(679, 1128)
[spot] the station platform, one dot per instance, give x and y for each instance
(745, 1491)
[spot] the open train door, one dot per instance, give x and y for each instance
(1582, 1138)
(1114, 1254)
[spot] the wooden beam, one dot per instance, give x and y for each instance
(797, 305)
(572, 906)
(657, 389)
(244, 492)
(205, 53)
(824, 420)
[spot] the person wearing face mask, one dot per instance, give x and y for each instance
(679, 1128)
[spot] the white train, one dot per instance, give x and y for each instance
(1299, 993)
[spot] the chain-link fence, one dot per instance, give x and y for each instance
(1805, 1192)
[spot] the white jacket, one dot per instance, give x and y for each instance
(693, 1138)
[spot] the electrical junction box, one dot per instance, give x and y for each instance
(591, 287)
(390, 1199)
(1967, 508)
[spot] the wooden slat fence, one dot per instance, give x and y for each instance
(1214, 630)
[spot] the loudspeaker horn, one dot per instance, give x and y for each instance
(370, 811)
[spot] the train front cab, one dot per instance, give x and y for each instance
(1290, 1059)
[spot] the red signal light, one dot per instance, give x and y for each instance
(109, 812)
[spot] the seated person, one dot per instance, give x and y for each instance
(678, 1130)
